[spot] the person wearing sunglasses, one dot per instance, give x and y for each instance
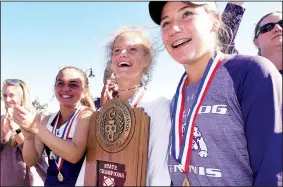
(14, 171)
(268, 38)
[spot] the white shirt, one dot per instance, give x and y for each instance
(157, 170)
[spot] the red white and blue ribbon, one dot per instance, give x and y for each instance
(182, 143)
(134, 101)
(59, 160)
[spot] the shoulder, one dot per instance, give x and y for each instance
(257, 66)
(154, 99)
(85, 112)
(46, 118)
(155, 105)
(244, 60)
(253, 74)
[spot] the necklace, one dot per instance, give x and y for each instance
(137, 97)
(127, 89)
(182, 141)
(58, 160)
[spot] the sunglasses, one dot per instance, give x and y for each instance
(14, 82)
(268, 27)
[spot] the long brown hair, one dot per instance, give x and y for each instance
(87, 100)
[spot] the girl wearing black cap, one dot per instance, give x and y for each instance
(227, 113)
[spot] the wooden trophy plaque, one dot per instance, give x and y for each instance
(117, 146)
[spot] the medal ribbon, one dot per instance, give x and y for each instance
(182, 145)
(134, 101)
(59, 160)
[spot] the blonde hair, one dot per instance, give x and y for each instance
(148, 50)
(224, 34)
(87, 100)
(26, 101)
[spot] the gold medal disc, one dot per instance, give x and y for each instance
(60, 177)
(186, 182)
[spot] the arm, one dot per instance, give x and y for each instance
(260, 98)
(4, 129)
(9, 127)
(33, 147)
(66, 149)
(19, 137)
(232, 17)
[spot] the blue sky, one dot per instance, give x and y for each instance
(39, 38)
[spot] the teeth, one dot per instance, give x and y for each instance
(175, 44)
(66, 96)
(124, 63)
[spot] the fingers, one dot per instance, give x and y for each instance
(109, 95)
(20, 109)
(18, 118)
(37, 118)
(108, 81)
(23, 119)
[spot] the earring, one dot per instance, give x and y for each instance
(259, 52)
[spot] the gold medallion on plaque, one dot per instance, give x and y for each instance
(114, 125)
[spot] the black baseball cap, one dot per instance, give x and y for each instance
(155, 9)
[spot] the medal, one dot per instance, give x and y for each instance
(186, 181)
(58, 160)
(182, 141)
(60, 177)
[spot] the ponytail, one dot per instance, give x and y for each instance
(87, 100)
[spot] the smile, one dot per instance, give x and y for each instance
(66, 96)
(124, 64)
(180, 42)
